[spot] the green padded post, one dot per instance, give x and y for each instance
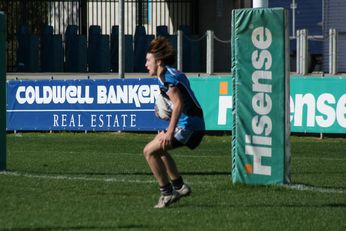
(2, 91)
(260, 139)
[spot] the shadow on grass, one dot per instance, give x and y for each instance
(206, 173)
(81, 227)
(330, 205)
(274, 205)
(210, 173)
(316, 172)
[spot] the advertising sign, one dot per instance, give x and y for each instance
(318, 104)
(260, 94)
(215, 96)
(99, 105)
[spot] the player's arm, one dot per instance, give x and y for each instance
(176, 97)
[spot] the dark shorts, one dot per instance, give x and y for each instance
(188, 138)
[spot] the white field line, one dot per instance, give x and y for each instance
(300, 187)
(76, 178)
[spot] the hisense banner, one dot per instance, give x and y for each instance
(259, 147)
(215, 96)
(318, 104)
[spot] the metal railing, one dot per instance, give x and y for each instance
(332, 51)
(302, 55)
(84, 13)
(148, 13)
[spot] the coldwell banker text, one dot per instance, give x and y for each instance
(87, 105)
(127, 94)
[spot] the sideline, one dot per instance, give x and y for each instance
(299, 187)
(75, 178)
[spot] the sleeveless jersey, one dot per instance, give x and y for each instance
(191, 117)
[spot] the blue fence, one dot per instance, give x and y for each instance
(99, 53)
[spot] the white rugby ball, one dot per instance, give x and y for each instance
(163, 107)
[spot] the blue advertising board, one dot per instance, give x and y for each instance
(100, 105)
(317, 105)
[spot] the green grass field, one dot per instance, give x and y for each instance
(100, 181)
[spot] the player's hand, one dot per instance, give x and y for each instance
(166, 140)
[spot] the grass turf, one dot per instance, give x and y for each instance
(100, 181)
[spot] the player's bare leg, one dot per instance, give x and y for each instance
(178, 183)
(152, 153)
(170, 165)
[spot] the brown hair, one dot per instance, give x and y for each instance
(162, 50)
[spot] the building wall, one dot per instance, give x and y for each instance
(216, 16)
(334, 14)
(105, 14)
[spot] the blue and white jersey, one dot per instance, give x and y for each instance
(191, 117)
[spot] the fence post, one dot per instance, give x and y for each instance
(259, 3)
(332, 51)
(180, 50)
(298, 59)
(304, 52)
(210, 52)
(121, 14)
(2, 91)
